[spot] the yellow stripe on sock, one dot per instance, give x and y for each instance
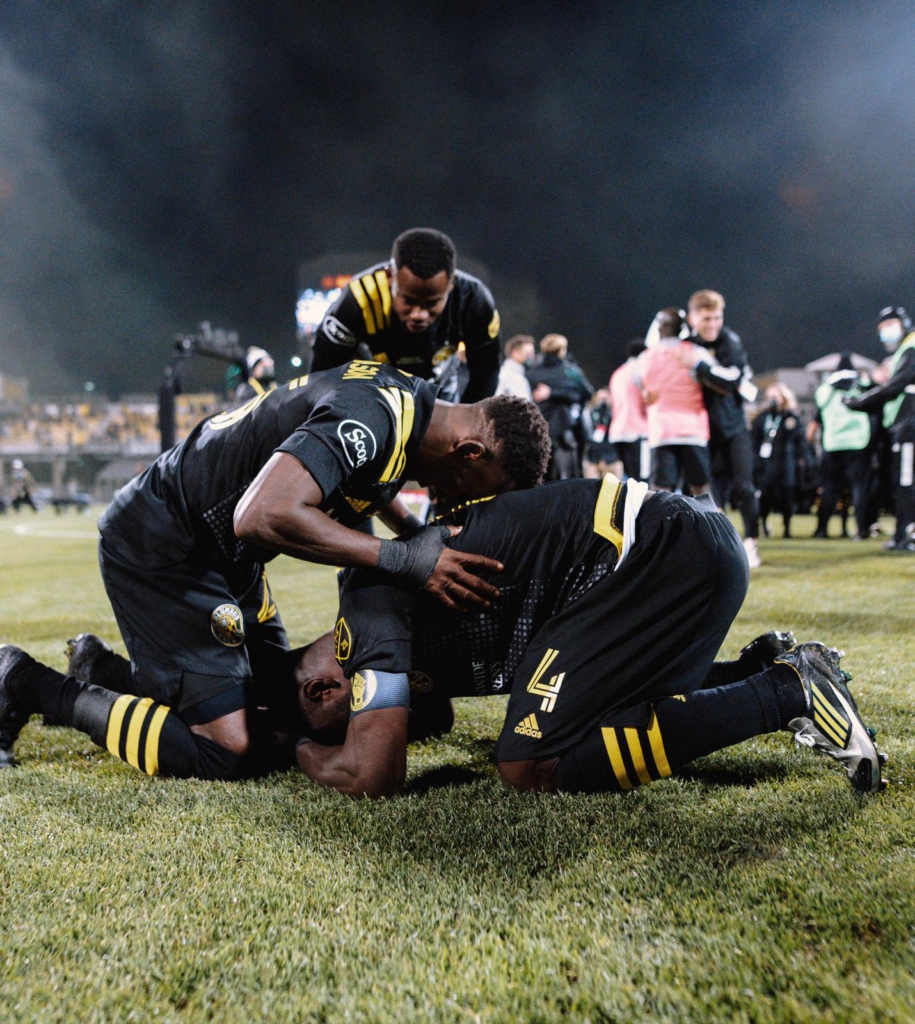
(616, 758)
(115, 721)
(132, 751)
(638, 757)
(657, 746)
(152, 739)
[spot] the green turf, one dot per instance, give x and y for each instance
(755, 887)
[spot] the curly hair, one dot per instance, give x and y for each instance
(521, 438)
(425, 251)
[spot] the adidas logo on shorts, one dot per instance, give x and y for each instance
(529, 727)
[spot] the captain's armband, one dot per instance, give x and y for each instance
(373, 691)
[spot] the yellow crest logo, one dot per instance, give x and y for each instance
(364, 687)
(227, 625)
(495, 324)
(343, 642)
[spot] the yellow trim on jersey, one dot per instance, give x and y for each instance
(657, 746)
(401, 403)
(616, 758)
(605, 512)
(371, 289)
(267, 609)
(357, 290)
(637, 755)
(259, 388)
(381, 276)
(545, 662)
(298, 382)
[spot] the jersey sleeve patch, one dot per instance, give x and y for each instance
(338, 333)
(495, 325)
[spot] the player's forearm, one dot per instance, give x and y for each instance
(398, 517)
(371, 763)
(308, 533)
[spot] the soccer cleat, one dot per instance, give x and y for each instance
(12, 718)
(91, 660)
(760, 654)
(831, 722)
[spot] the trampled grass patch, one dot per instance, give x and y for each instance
(754, 887)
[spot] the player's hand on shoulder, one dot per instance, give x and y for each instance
(454, 580)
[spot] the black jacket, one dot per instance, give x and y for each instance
(721, 383)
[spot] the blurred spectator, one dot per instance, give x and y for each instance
(519, 354)
(23, 486)
(727, 384)
(896, 398)
(600, 455)
(846, 438)
(678, 422)
(562, 390)
(261, 375)
(780, 447)
(629, 423)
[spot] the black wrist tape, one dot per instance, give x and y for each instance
(414, 557)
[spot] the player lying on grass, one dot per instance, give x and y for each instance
(613, 605)
(183, 546)
(614, 602)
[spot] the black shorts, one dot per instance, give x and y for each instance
(673, 464)
(180, 656)
(636, 458)
(649, 630)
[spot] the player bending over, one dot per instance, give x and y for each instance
(183, 548)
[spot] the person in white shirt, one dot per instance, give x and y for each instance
(519, 352)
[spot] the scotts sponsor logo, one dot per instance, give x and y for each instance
(227, 625)
(358, 442)
(337, 332)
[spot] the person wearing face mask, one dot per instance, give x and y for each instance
(896, 399)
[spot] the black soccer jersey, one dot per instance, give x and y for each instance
(355, 428)
(383, 626)
(364, 313)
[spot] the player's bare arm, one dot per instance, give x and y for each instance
(372, 762)
(279, 511)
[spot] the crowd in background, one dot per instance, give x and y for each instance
(681, 413)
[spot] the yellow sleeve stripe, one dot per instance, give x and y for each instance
(371, 289)
(298, 382)
(638, 757)
(401, 403)
(357, 290)
(267, 609)
(616, 758)
(657, 747)
(605, 512)
(385, 292)
(115, 721)
(152, 739)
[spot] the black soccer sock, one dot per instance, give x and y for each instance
(651, 741)
(148, 736)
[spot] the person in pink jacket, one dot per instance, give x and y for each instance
(678, 424)
(628, 422)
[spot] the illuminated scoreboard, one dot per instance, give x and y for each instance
(314, 301)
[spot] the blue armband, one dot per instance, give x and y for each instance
(375, 690)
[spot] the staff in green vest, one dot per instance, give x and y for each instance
(897, 399)
(845, 464)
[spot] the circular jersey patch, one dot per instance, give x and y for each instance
(420, 682)
(227, 625)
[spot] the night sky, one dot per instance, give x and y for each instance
(167, 163)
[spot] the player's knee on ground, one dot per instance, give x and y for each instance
(529, 775)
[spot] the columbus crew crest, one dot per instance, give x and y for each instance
(343, 642)
(227, 625)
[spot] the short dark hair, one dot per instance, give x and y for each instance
(521, 438)
(425, 251)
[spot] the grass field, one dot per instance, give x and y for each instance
(755, 887)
